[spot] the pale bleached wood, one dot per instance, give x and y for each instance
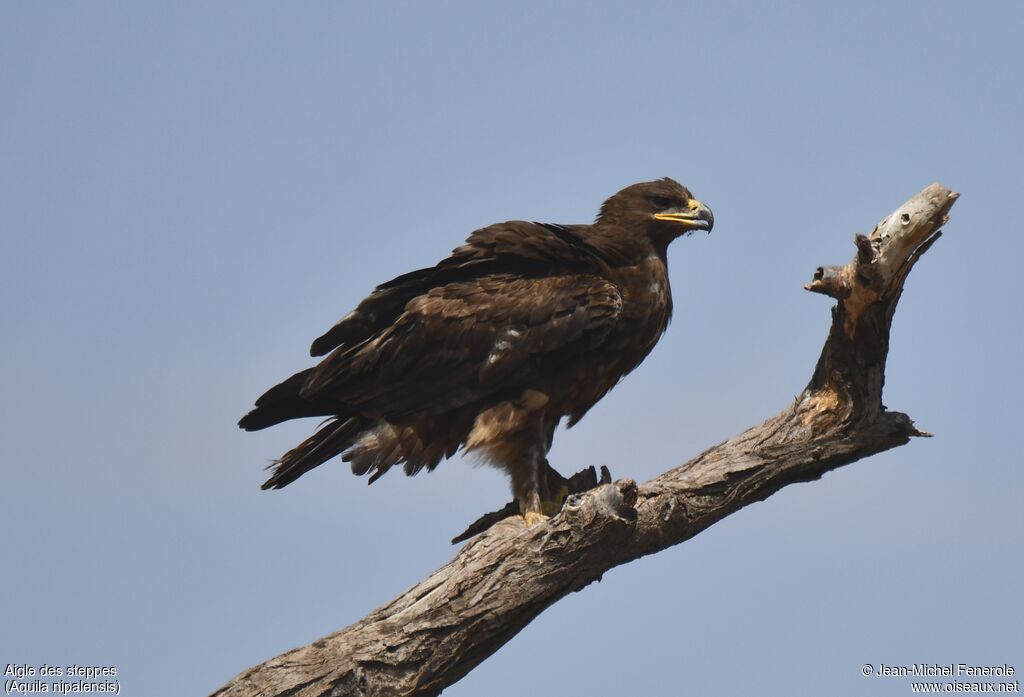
(438, 631)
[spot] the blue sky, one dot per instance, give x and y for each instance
(191, 192)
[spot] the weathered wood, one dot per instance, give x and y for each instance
(438, 631)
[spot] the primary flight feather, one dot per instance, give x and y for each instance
(523, 325)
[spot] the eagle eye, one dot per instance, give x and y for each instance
(661, 201)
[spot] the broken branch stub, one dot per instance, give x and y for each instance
(867, 289)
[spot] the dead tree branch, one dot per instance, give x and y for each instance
(442, 628)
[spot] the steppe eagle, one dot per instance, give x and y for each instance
(523, 325)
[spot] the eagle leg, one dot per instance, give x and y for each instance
(542, 495)
(527, 475)
(582, 481)
(515, 435)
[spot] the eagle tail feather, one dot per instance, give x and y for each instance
(282, 403)
(331, 439)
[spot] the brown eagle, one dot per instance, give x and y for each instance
(523, 325)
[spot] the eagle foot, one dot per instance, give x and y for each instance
(532, 518)
(582, 481)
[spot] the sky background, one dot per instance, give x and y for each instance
(191, 192)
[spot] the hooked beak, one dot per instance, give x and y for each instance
(696, 216)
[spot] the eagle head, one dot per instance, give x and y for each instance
(664, 209)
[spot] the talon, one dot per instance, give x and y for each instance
(532, 518)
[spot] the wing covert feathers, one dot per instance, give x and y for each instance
(523, 325)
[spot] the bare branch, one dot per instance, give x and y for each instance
(442, 628)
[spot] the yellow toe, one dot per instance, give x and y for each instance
(532, 518)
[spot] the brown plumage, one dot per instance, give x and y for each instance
(524, 324)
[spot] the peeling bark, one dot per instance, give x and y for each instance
(441, 629)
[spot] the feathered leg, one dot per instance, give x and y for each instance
(526, 484)
(515, 435)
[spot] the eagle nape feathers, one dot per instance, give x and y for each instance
(523, 325)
